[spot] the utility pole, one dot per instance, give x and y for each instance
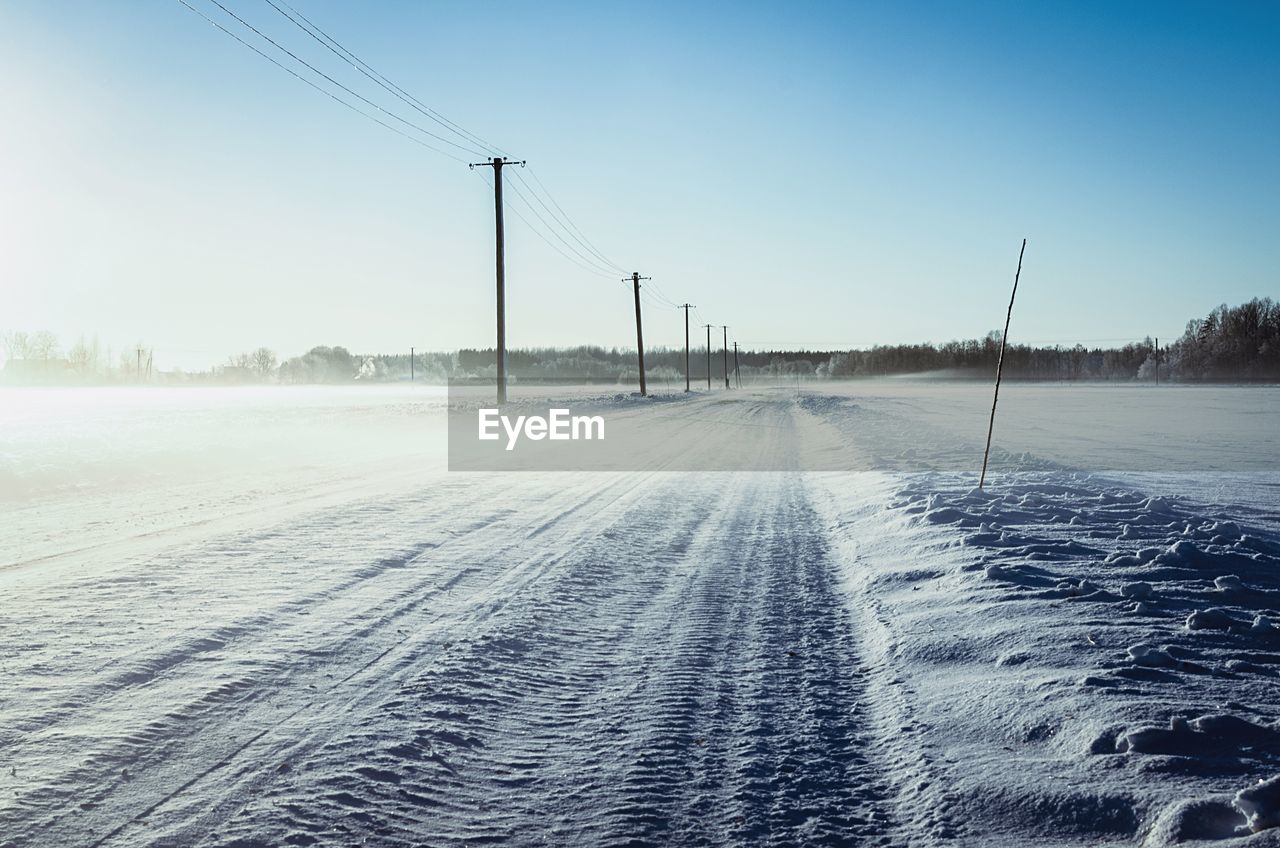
(1157, 360)
(708, 326)
(411, 374)
(725, 327)
(496, 163)
(635, 279)
(686, 307)
(737, 375)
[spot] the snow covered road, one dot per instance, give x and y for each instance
(656, 658)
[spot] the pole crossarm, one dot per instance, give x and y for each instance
(497, 162)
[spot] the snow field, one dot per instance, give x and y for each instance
(314, 646)
(1091, 658)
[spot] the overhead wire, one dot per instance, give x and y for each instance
(662, 295)
(592, 255)
(655, 292)
(318, 87)
(660, 307)
(513, 210)
(558, 214)
(589, 258)
(569, 223)
(348, 90)
(600, 269)
(332, 45)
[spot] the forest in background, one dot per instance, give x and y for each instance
(1231, 344)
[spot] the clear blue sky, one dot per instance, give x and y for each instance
(823, 174)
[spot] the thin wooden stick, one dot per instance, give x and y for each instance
(1000, 367)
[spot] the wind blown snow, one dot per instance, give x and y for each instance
(258, 618)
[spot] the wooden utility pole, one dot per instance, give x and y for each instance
(635, 279)
(1157, 352)
(737, 375)
(411, 372)
(725, 349)
(496, 163)
(982, 479)
(686, 307)
(708, 326)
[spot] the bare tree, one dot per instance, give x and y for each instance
(17, 345)
(264, 361)
(82, 358)
(42, 345)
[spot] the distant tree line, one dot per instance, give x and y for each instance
(39, 359)
(1240, 343)
(978, 358)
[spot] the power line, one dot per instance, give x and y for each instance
(647, 296)
(456, 127)
(353, 93)
(538, 233)
(329, 43)
(562, 218)
(318, 87)
(595, 256)
(665, 301)
(569, 221)
(592, 260)
(663, 296)
(658, 298)
(599, 269)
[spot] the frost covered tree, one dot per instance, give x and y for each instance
(1231, 343)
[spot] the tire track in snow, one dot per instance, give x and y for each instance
(195, 713)
(642, 659)
(681, 678)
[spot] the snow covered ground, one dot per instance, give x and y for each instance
(253, 617)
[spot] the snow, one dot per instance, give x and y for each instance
(263, 617)
(1260, 804)
(1138, 590)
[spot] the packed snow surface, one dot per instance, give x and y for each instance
(256, 617)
